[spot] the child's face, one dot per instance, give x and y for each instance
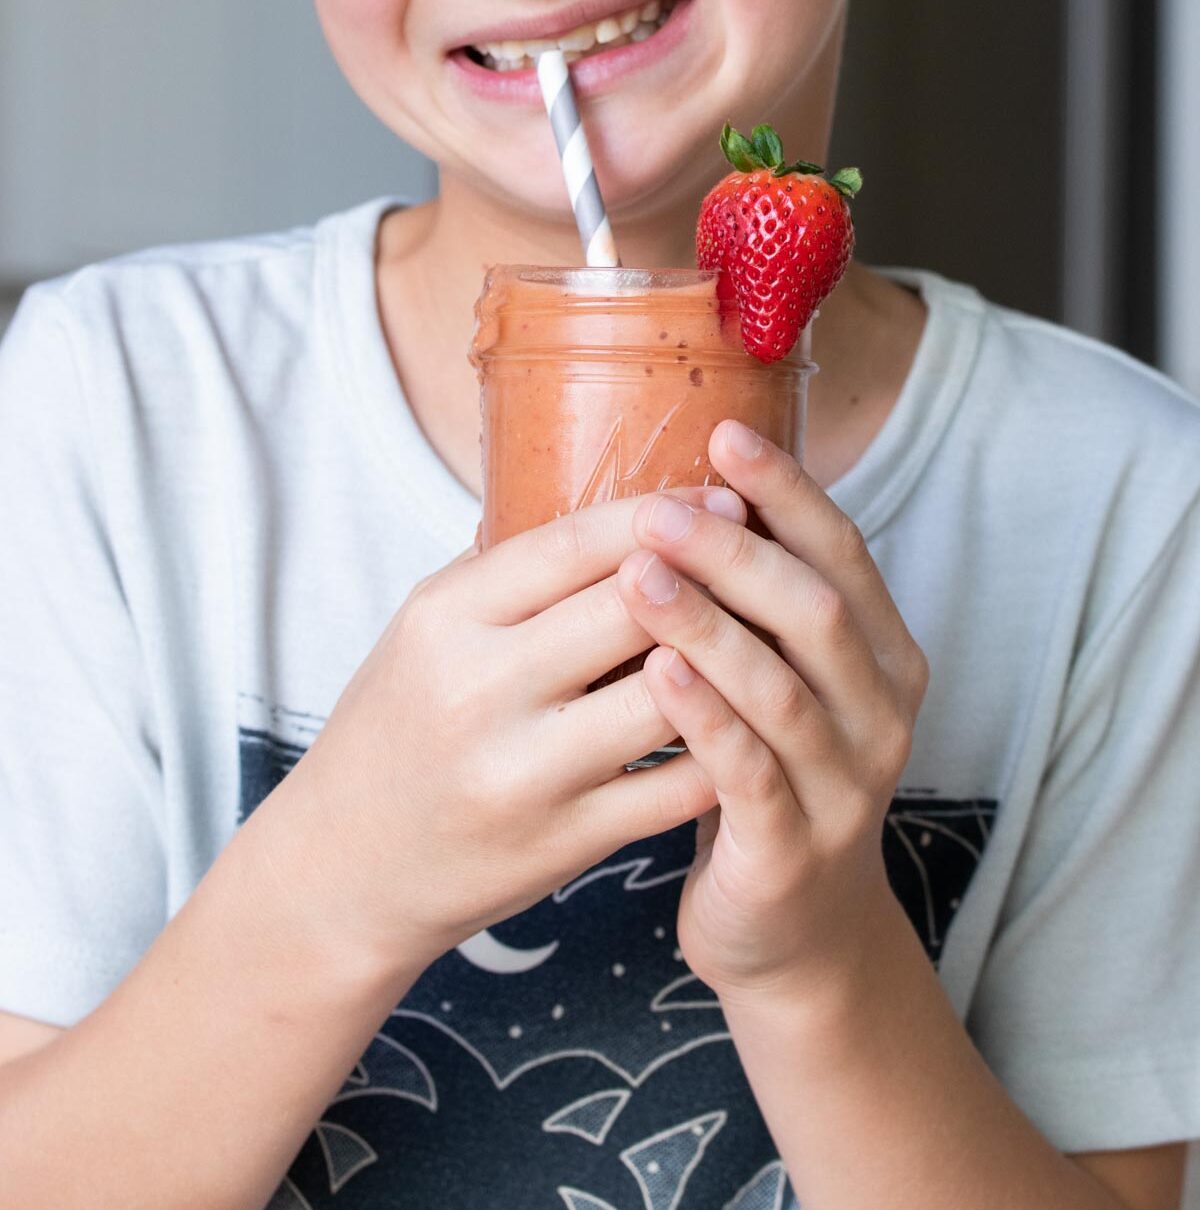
(653, 111)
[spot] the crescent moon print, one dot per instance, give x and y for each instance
(567, 1056)
(485, 952)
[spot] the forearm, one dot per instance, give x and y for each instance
(875, 1095)
(198, 1080)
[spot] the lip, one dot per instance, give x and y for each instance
(592, 74)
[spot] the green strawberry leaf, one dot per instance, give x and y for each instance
(739, 151)
(768, 145)
(804, 167)
(847, 181)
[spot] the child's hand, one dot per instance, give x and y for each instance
(805, 747)
(464, 773)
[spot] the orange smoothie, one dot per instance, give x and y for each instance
(602, 383)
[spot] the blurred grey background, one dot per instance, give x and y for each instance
(1045, 150)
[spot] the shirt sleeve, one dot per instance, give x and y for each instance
(1088, 1007)
(81, 860)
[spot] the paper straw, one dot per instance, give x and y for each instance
(588, 206)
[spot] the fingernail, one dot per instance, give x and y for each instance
(744, 442)
(669, 519)
(724, 502)
(678, 670)
(657, 583)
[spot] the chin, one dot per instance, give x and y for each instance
(633, 189)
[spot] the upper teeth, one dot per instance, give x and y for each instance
(633, 25)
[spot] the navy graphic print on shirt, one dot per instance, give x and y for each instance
(567, 1057)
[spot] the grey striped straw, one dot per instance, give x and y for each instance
(594, 230)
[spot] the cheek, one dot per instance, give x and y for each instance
(360, 31)
(365, 17)
(780, 31)
(372, 43)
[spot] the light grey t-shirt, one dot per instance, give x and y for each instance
(213, 497)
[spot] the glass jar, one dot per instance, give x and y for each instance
(602, 383)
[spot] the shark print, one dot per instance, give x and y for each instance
(567, 1057)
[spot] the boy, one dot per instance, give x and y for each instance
(455, 947)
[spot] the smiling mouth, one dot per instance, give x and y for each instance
(635, 24)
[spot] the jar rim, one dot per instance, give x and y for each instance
(604, 279)
(603, 290)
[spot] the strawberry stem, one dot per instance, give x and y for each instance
(804, 167)
(764, 149)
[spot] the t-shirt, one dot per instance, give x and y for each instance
(213, 497)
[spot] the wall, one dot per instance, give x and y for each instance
(1179, 233)
(133, 122)
(960, 152)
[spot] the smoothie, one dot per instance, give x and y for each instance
(602, 383)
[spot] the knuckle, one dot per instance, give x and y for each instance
(596, 610)
(421, 585)
(683, 796)
(442, 586)
(409, 631)
(721, 729)
(784, 697)
(849, 545)
(415, 613)
(466, 686)
(430, 612)
(461, 707)
(761, 776)
(741, 550)
(612, 616)
(634, 701)
(820, 742)
(791, 473)
(703, 622)
(787, 478)
(829, 611)
(894, 745)
(918, 672)
(563, 540)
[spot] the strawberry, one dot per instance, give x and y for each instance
(780, 234)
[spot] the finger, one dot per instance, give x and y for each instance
(576, 641)
(521, 576)
(601, 732)
(644, 803)
(756, 798)
(806, 522)
(591, 632)
(762, 583)
(756, 682)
